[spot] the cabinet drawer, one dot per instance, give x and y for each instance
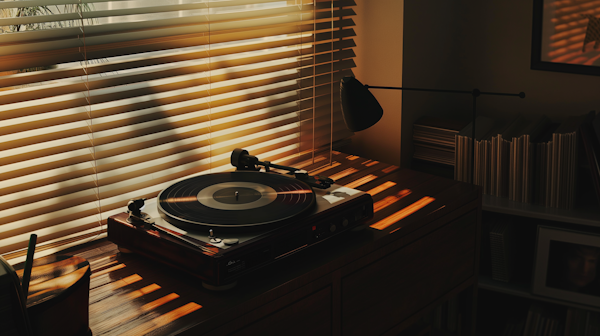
(310, 314)
(384, 293)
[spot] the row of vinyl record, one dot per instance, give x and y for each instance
(529, 160)
(433, 139)
(541, 321)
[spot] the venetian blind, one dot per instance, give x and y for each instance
(105, 101)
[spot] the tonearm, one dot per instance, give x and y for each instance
(241, 159)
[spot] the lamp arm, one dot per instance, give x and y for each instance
(474, 92)
(415, 89)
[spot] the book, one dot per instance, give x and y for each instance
(524, 157)
(563, 163)
(433, 139)
(453, 314)
(502, 250)
(593, 323)
(541, 165)
(530, 160)
(520, 137)
(596, 126)
(465, 167)
(502, 152)
(576, 322)
(547, 319)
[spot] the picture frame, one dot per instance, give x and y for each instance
(567, 266)
(566, 39)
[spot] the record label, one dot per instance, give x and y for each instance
(242, 200)
(237, 195)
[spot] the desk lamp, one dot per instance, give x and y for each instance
(361, 109)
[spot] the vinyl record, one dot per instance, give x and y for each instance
(236, 200)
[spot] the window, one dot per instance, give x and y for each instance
(106, 101)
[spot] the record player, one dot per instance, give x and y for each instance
(222, 226)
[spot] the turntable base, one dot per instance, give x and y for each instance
(377, 281)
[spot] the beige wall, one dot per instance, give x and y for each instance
(486, 45)
(455, 45)
(379, 62)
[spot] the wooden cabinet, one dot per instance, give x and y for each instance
(378, 281)
(383, 293)
(372, 297)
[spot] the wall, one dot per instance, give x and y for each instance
(458, 45)
(379, 62)
(486, 45)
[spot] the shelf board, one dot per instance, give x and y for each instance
(522, 290)
(512, 288)
(584, 215)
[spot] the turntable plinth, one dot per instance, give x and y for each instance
(249, 236)
(422, 250)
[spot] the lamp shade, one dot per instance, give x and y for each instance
(359, 107)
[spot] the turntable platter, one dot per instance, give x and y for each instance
(234, 200)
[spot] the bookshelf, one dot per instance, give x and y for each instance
(510, 223)
(517, 293)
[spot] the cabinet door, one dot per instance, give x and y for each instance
(310, 315)
(384, 293)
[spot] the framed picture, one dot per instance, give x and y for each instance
(566, 266)
(566, 36)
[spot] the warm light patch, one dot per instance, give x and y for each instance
(389, 169)
(361, 181)
(382, 204)
(181, 199)
(343, 173)
(381, 188)
(294, 192)
(95, 269)
(210, 250)
(352, 157)
(131, 279)
(108, 270)
(141, 292)
(592, 60)
(409, 210)
(123, 282)
(153, 233)
(163, 319)
(130, 225)
(440, 208)
(320, 170)
(371, 163)
(309, 162)
(159, 302)
(394, 230)
(101, 263)
(126, 315)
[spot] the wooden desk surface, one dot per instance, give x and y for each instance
(130, 295)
